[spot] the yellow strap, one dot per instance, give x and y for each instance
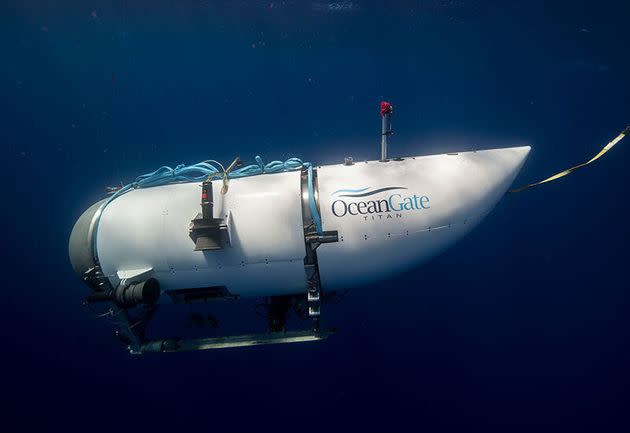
(572, 169)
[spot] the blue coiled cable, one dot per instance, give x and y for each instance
(203, 170)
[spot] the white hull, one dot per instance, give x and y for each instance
(392, 231)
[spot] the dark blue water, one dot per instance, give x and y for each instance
(524, 325)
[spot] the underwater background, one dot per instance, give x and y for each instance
(524, 325)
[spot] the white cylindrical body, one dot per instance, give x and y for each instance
(148, 228)
(389, 216)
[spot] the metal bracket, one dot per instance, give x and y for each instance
(207, 232)
(312, 240)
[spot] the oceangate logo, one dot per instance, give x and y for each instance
(391, 206)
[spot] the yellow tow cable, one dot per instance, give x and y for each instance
(572, 169)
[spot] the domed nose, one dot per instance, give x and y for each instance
(80, 243)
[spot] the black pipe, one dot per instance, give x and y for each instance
(128, 296)
(145, 292)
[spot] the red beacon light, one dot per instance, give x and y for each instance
(386, 108)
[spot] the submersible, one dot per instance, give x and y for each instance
(292, 233)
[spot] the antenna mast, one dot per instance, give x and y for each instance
(386, 130)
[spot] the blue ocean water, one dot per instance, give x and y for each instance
(523, 325)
